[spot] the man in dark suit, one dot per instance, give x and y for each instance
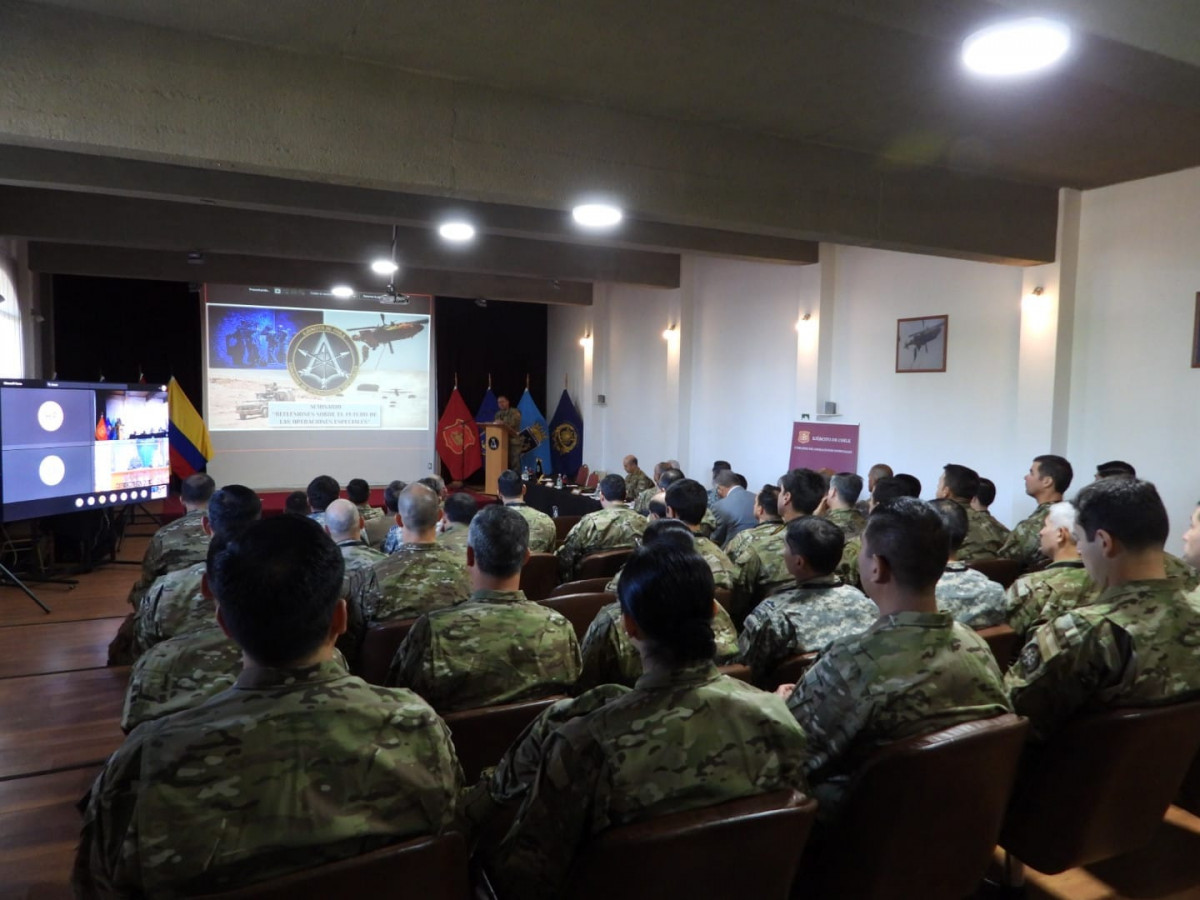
(735, 508)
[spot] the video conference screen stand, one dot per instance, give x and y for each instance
(10, 578)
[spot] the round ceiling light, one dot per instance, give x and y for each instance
(1016, 48)
(457, 231)
(596, 215)
(342, 291)
(384, 267)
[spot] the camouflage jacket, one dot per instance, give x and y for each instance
(358, 555)
(802, 619)
(391, 543)
(722, 568)
(761, 573)
(708, 524)
(1041, 596)
(981, 541)
(290, 768)
(636, 482)
(175, 546)
(369, 512)
(739, 545)
(512, 418)
(1137, 644)
(173, 605)
(543, 534)
(642, 503)
(970, 596)
(454, 539)
(605, 529)
(1177, 568)
(496, 648)
(679, 740)
(851, 521)
(609, 657)
(994, 529)
(1023, 543)
(416, 579)
(909, 674)
(847, 569)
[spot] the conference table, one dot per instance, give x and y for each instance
(546, 498)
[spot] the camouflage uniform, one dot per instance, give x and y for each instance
(1023, 543)
(496, 648)
(636, 482)
(761, 573)
(1177, 568)
(416, 579)
(708, 524)
(454, 539)
(970, 596)
(802, 619)
(680, 740)
(511, 417)
(981, 541)
(720, 564)
(605, 529)
(851, 521)
(543, 534)
(642, 503)
(847, 569)
(739, 545)
(358, 555)
(291, 768)
(1137, 644)
(175, 546)
(369, 512)
(995, 530)
(1045, 595)
(391, 543)
(909, 674)
(174, 605)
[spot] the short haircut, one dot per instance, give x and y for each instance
(297, 503)
(806, 487)
(880, 470)
(910, 536)
(461, 508)
(499, 535)
(720, 465)
(232, 509)
(391, 495)
(669, 533)
(954, 518)
(509, 484)
(341, 517)
(889, 489)
(768, 499)
(818, 540)
(1128, 509)
(741, 480)
(434, 483)
(986, 492)
(1057, 469)
(358, 491)
(633, 459)
(668, 592)
(197, 488)
(659, 508)
(668, 477)
(1116, 468)
(612, 487)
(322, 491)
(961, 481)
(848, 486)
(1062, 515)
(726, 478)
(689, 499)
(277, 584)
(913, 483)
(419, 507)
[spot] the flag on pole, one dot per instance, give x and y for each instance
(534, 434)
(486, 414)
(457, 435)
(566, 438)
(191, 447)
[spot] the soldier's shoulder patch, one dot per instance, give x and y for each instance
(1031, 656)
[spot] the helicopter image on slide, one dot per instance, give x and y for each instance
(384, 334)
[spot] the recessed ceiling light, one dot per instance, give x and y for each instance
(342, 291)
(1016, 48)
(596, 215)
(457, 231)
(384, 267)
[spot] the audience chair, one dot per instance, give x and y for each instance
(377, 530)
(379, 647)
(1099, 786)
(539, 576)
(580, 609)
(790, 671)
(606, 562)
(1004, 571)
(593, 481)
(482, 735)
(1004, 643)
(432, 868)
(586, 586)
(920, 818)
(563, 526)
(581, 476)
(724, 596)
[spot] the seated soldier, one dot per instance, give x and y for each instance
(636, 480)
(543, 534)
(914, 671)
(421, 575)
(641, 503)
(886, 488)
(358, 492)
(391, 500)
(614, 527)
(959, 484)
(677, 741)
(344, 523)
(985, 496)
(805, 618)
(457, 513)
(1060, 587)
(321, 491)
(1135, 644)
(297, 765)
(609, 657)
(838, 505)
(766, 513)
(296, 503)
(1048, 479)
(970, 596)
(497, 647)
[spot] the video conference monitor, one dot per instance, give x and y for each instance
(68, 446)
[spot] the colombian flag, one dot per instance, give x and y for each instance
(191, 448)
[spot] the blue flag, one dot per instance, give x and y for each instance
(534, 434)
(566, 438)
(486, 415)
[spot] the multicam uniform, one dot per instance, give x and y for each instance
(511, 418)
(636, 482)
(173, 605)
(454, 539)
(847, 569)
(851, 521)
(176, 545)
(981, 541)
(612, 528)
(416, 579)
(761, 572)
(1045, 595)
(543, 535)
(970, 596)
(1023, 543)
(995, 530)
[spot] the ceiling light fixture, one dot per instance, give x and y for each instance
(1016, 48)
(596, 215)
(384, 267)
(458, 232)
(342, 291)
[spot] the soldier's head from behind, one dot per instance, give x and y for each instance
(669, 476)
(657, 508)
(877, 471)
(1115, 468)
(913, 482)
(322, 491)
(985, 495)
(358, 491)
(278, 587)
(460, 508)
(1191, 540)
(612, 489)
(196, 489)
(812, 548)
(418, 511)
(510, 486)
(687, 501)
(958, 482)
(666, 595)
(844, 490)
(391, 496)
(296, 503)
(666, 532)
(954, 518)
(800, 492)
(1121, 526)
(1048, 478)
(1057, 537)
(497, 548)
(343, 520)
(903, 555)
(766, 503)
(231, 510)
(436, 484)
(889, 489)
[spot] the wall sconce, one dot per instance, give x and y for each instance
(586, 342)
(804, 318)
(671, 333)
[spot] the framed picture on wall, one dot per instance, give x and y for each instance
(921, 344)
(1196, 335)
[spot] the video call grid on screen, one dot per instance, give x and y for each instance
(67, 447)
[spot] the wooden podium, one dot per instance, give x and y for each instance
(495, 459)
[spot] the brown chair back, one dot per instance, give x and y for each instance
(1004, 571)
(586, 586)
(740, 671)
(732, 851)
(593, 481)
(1100, 785)
(540, 575)
(379, 647)
(724, 596)
(482, 735)
(606, 562)
(790, 671)
(563, 526)
(921, 817)
(1003, 642)
(580, 609)
(581, 476)
(433, 868)
(1189, 791)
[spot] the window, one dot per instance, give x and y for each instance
(12, 349)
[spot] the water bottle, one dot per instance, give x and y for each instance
(558, 484)
(554, 512)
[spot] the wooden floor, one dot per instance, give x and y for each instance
(59, 709)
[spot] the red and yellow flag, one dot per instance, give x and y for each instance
(458, 438)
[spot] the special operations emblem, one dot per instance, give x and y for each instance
(565, 438)
(322, 360)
